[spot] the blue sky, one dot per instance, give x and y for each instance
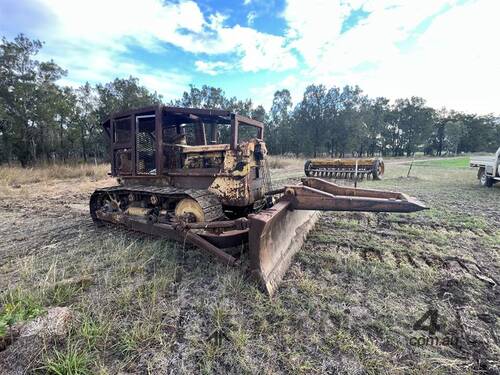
(444, 50)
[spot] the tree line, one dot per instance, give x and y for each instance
(340, 121)
(42, 120)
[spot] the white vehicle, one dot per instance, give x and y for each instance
(489, 169)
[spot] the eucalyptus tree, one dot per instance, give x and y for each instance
(27, 90)
(351, 126)
(415, 121)
(312, 119)
(376, 115)
(280, 136)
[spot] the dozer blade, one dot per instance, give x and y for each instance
(277, 233)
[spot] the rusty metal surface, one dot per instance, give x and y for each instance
(217, 181)
(235, 172)
(306, 198)
(205, 148)
(318, 194)
(342, 162)
(276, 234)
(241, 223)
(169, 232)
(227, 239)
(332, 188)
(345, 168)
(207, 200)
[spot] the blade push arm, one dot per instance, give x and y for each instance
(318, 194)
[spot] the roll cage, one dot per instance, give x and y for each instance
(140, 136)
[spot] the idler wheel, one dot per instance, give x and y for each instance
(189, 208)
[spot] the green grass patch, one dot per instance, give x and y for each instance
(93, 330)
(142, 334)
(71, 361)
(458, 162)
(62, 294)
(459, 220)
(18, 306)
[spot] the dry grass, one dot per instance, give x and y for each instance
(285, 162)
(347, 305)
(14, 176)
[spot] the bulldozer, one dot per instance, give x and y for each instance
(346, 168)
(200, 176)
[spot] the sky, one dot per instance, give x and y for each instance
(446, 51)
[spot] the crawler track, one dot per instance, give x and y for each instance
(165, 197)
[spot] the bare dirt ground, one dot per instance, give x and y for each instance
(348, 304)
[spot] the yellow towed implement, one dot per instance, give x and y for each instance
(345, 168)
(178, 180)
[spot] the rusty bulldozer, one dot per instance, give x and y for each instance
(345, 168)
(200, 176)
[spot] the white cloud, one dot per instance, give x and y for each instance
(212, 68)
(315, 28)
(264, 94)
(115, 25)
(112, 22)
(251, 16)
(103, 66)
(258, 50)
(96, 40)
(453, 62)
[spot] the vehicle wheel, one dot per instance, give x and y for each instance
(378, 169)
(484, 180)
(306, 168)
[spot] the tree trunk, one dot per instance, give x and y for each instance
(84, 145)
(33, 152)
(61, 141)
(43, 145)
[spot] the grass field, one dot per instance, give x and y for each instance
(15, 176)
(348, 303)
(458, 162)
